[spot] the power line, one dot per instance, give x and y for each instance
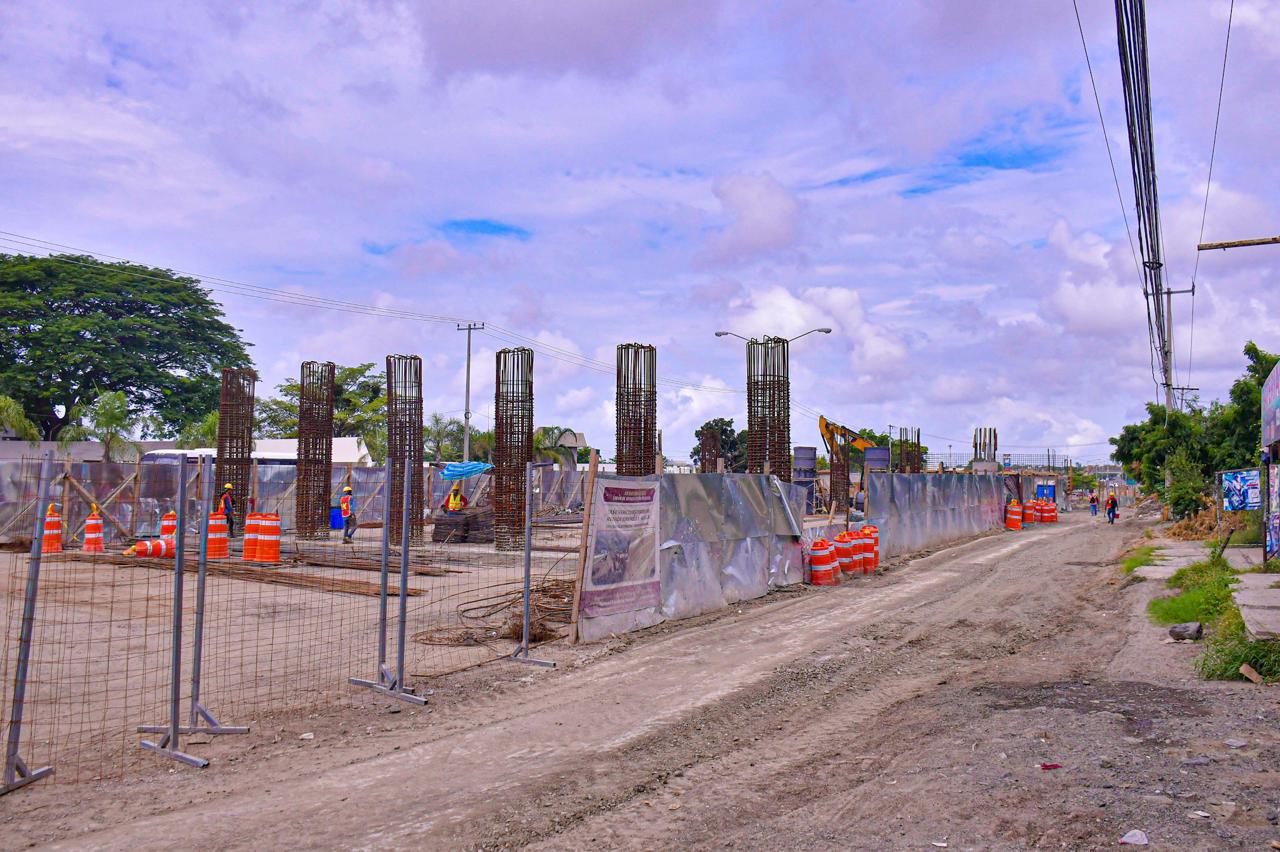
(1204, 212)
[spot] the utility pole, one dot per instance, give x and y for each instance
(466, 405)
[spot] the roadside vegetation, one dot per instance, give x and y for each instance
(1139, 557)
(1204, 595)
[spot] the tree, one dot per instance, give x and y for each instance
(482, 446)
(200, 433)
(547, 445)
(733, 445)
(442, 437)
(1186, 484)
(14, 419)
(359, 405)
(73, 328)
(107, 421)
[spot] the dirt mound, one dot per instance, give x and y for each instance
(1204, 525)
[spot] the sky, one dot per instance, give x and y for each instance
(929, 180)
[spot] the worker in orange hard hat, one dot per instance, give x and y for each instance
(227, 506)
(348, 505)
(456, 501)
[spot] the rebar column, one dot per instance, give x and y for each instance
(404, 443)
(637, 409)
(769, 407)
(839, 477)
(709, 450)
(512, 444)
(315, 450)
(235, 437)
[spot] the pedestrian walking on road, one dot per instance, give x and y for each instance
(1113, 509)
(1093, 503)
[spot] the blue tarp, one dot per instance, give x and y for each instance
(463, 470)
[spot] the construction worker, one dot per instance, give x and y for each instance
(347, 503)
(227, 506)
(1113, 508)
(456, 501)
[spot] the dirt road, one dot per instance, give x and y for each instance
(908, 711)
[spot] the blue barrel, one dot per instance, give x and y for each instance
(335, 518)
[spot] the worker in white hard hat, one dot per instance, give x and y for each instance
(348, 505)
(227, 506)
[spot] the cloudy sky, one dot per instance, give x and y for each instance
(929, 179)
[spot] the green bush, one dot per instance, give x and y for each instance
(1205, 593)
(1187, 486)
(1228, 647)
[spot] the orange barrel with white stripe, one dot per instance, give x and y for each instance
(159, 547)
(51, 538)
(859, 551)
(93, 533)
(250, 553)
(219, 546)
(169, 524)
(1053, 512)
(874, 532)
(268, 539)
(822, 563)
(1030, 514)
(1013, 516)
(845, 544)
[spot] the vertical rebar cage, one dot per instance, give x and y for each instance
(769, 407)
(840, 476)
(513, 444)
(312, 494)
(404, 442)
(637, 409)
(709, 450)
(235, 436)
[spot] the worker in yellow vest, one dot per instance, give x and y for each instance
(347, 503)
(456, 501)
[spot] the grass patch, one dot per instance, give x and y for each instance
(1205, 593)
(1148, 534)
(1139, 557)
(1228, 646)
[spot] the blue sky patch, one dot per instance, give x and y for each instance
(476, 228)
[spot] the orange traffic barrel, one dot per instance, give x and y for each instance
(219, 546)
(1053, 512)
(51, 539)
(160, 547)
(845, 544)
(169, 524)
(93, 533)
(874, 532)
(1030, 514)
(268, 539)
(822, 563)
(250, 553)
(1013, 516)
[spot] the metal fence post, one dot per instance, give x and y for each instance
(210, 724)
(388, 683)
(168, 744)
(521, 653)
(16, 772)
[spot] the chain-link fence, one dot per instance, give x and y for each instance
(260, 632)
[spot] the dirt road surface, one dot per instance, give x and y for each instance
(907, 711)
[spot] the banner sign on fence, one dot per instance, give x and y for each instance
(1273, 514)
(1271, 408)
(1241, 490)
(622, 567)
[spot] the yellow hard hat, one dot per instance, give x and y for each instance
(227, 487)
(346, 488)
(457, 486)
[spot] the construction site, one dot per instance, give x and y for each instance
(809, 478)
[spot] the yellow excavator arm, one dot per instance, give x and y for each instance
(833, 434)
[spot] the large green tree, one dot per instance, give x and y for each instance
(733, 444)
(359, 406)
(73, 328)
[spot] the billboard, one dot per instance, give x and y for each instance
(1271, 408)
(622, 572)
(1241, 490)
(1273, 512)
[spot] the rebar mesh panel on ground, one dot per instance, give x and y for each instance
(637, 409)
(769, 407)
(315, 450)
(235, 436)
(839, 478)
(513, 443)
(709, 451)
(404, 442)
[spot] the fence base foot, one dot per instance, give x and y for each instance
(162, 747)
(517, 658)
(387, 686)
(22, 776)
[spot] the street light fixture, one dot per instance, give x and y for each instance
(790, 340)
